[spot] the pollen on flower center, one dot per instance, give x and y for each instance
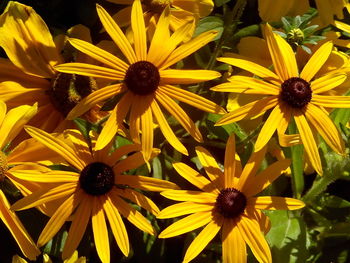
(230, 203)
(296, 92)
(97, 178)
(142, 78)
(3, 165)
(67, 90)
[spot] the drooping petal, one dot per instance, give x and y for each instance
(331, 101)
(249, 110)
(195, 178)
(203, 239)
(326, 83)
(192, 196)
(250, 231)
(139, 30)
(309, 142)
(187, 224)
(184, 208)
(116, 34)
(182, 76)
(233, 245)
(145, 183)
(316, 61)
(275, 203)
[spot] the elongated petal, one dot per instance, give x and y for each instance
(145, 183)
(58, 219)
(77, 229)
(166, 130)
(147, 133)
(275, 203)
(187, 224)
(180, 115)
(116, 34)
(117, 226)
(139, 30)
(326, 128)
(17, 230)
(331, 101)
(3, 110)
(57, 145)
(250, 231)
(230, 160)
(91, 71)
(131, 214)
(79, 144)
(272, 123)
(249, 110)
(184, 208)
(203, 239)
(282, 55)
(211, 167)
(191, 99)
(316, 61)
(99, 54)
(14, 121)
(233, 245)
(195, 177)
(99, 229)
(192, 196)
(114, 157)
(254, 68)
(114, 121)
(188, 48)
(181, 76)
(255, 184)
(247, 85)
(93, 99)
(139, 199)
(46, 177)
(326, 83)
(309, 142)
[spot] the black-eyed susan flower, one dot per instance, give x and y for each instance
(11, 123)
(290, 94)
(227, 201)
(29, 76)
(96, 190)
(144, 79)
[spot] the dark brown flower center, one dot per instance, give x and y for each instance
(230, 203)
(142, 78)
(67, 90)
(97, 178)
(296, 92)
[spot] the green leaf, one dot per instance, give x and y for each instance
(288, 237)
(210, 23)
(334, 202)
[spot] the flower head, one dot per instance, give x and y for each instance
(145, 80)
(96, 188)
(227, 201)
(290, 94)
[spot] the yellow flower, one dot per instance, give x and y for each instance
(227, 202)
(290, 94)
(145, 80)
(181, 12)
(96, 189)
(29, 75)
(11, 123)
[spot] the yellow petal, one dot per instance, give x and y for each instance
(230, 160)
(3, 110)
(117, 226)
(179, 114)
(195, 177)
(233, 245)
(309, 142)
(184, 208)
(116, 34)
(316, 61)
(166, 130)
(139, 30)
(250, 231)
(187, 224)
(182, 76)
(99, 229)
(191, 99)
(327, 82)
(192, 196)
(275, 203)
(46, 177)
(326, 128)
(202, 240)
(331, 101)
(145, 183)
(282, 55)
(147, 133)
